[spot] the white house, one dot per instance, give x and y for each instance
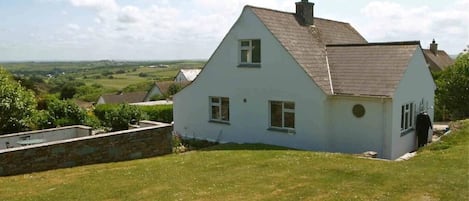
(187, 75)
(294, 80)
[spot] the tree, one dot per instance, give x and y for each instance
(452, 92)
(17, 105)
(63, 113)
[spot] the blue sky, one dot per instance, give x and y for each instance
(192, 29)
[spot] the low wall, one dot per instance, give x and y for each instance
(46, 135)
(103, 148)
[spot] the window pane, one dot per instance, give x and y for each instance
(411, 115)
(225, 109)
(215, 112)
(244, 56)
(215, 100)
(289, 120)
(406, 124)
(244, 43)
(256, 51)
(289, 105)
(276, 114)
(402, 118)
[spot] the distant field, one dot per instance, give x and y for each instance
(114, 75)
(259, 172)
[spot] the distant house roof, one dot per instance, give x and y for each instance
(307, 44)
(164, 86)
(190, 74)
(373, 69)
(436, 59)
(131, 97)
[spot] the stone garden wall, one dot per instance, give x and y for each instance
(110, 147)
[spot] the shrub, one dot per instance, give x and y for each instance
(118, 117)
(160, 113)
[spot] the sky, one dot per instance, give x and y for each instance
(45, 30)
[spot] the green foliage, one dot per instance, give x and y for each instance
(452, 94)
(118, 117)
(90, 93)
(141, 86)
(174, 88)
(63, 113)
(17, 105)
(160, 113)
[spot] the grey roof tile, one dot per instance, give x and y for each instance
(306, 44)
(373, 69)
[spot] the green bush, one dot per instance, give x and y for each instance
(62, 113)
(17, 105)
(160, 113)
(118, 117)
(452, 94)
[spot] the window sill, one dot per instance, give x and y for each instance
(283, 130)
(403, 133)
(249, 65)
(219, 122)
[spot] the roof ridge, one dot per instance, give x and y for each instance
(416, 42)
(292, 13)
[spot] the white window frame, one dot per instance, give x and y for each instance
(250, 52)
(219, 104)
(407, 117)
(284, 110)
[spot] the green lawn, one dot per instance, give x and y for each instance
(247, 172)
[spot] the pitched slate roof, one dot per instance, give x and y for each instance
(306, 44)
(438, 61)
(373, 69)
(131, 97)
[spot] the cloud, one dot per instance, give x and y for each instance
(98, 5)
(73, 27)
(391, 21)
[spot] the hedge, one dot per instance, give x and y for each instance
(160, 113)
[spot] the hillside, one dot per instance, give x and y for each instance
(259, 172)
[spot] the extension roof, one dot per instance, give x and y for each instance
(373, 69)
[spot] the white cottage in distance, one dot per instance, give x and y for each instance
(187, 75)
(294, 80)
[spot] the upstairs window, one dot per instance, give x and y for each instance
(250, 51)
(220, 109)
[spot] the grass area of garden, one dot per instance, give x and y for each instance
(259, 172)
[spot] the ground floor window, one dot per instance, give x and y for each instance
(407, 117)
(220, 109)
(282, 114)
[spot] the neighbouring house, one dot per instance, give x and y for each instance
(295, 80)
(187, 75)
(131, 97)
(162, 89)
(437, 60)
(158, 89)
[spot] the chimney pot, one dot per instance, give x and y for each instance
(305, 12)
(434, 47)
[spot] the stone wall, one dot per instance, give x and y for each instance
(47, 135)
(103, 148)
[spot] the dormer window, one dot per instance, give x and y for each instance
(250, 54)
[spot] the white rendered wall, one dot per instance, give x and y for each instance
(417, 84)
(351, 134)
(278, 78)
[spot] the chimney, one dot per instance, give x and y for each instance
(434, 47)
(304, 12)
